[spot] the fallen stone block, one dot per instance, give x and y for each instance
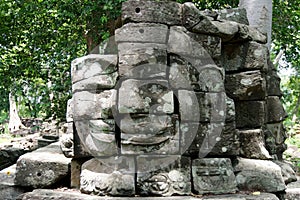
(287, 171)
(42, 168)
(258, 175)
(234, 14)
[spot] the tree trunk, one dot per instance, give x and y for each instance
(259, 13)
(14, 119)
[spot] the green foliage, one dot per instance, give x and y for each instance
(38, 41)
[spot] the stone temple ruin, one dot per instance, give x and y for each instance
(187, 103)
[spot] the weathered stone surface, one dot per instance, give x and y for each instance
(47, 194)
(76, 171)
(275, 110)
(149, 134)
(191, 16)
(278, 131)
(110, 176)
(42, 168)
(245, 56)
(197, 22)
(246, 86)
(157, 177)
(182, 74)
(66, 140)
(273, 81)
(93, 65)
(258, 175)
(96, 83)
(145, 96)
(200, 106)
(211, 79)
(142, 60)
(142, 32)
(250, 114)
(98, 136)
(213, 175)
(234, 14)
(209, 139)
(69, 113)
(230, 110)
(89, 105)
(287, 171)
(252, 33)
(9, 156)
(253, 144)
(197, 46)
(146, 11)
(260, 196)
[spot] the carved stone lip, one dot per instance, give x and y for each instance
(150, 140)
(103, 137)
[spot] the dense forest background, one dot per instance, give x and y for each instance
(39, 39)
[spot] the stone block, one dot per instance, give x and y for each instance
(145, 96)
(253, 144)
(75, 172)
(230, 110)
(96, 83)
(66, 140)
(253, 196)
(88, 105)
(191, 45)
(93, 65)
(98, 137)
(69, 113)
(9, 156)
(278, 131)
(149, 134)
(163, 175)
(211, 79)
(146, 11)
(112, 176)
(142, 60)
(245, 56)
(258, 175)
(209, 139)
(42, 168)
(249, 85)
(191, 15)
(213, 176)
(234, 14)
(184, 73)
(250, 114)
(273, 82)
(143, 33)
(249, 33)
(275, 110)
(200, 106)
(287, 171)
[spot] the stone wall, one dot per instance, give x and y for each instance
(188, 103)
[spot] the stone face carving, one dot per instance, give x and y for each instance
(182, 86)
